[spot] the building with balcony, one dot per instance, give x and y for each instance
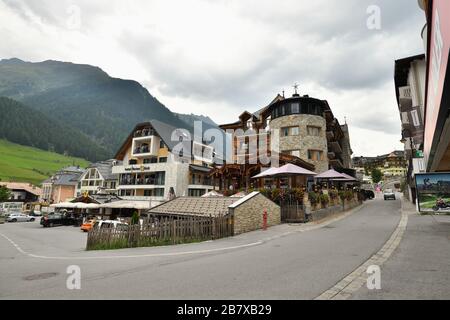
(98, 178)
(299, 130)
(157, 162)
(392, 165)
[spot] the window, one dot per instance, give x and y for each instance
(196, 192)
(290, 131)
(132, 162)
(150, 160)
(315, 155)
(162, 145)
(313, 131)
(295, 108)
(163, 160)
(159, 192)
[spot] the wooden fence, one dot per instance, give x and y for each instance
(157, 231)
(292, 213)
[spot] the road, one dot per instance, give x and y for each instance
(285, 262)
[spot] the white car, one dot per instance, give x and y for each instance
(109, 224)
(19, 217)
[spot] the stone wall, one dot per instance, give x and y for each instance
(248, 216)
(303, 141)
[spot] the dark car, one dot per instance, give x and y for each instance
(60, 219)
(368, 194)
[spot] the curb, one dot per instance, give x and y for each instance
(354, 281)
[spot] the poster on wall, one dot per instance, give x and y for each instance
(433, 192)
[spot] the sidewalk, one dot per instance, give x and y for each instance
(420, 266)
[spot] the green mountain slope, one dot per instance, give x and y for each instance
(83, 97)
(25, 126)
(26, 164)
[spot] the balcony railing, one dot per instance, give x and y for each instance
(143, 133)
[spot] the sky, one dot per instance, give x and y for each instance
(219, 58)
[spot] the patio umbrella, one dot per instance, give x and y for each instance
(212, 194)
(330, 175)
(267, 173)
(292, 170)
(348, 178)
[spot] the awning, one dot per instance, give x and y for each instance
(67, 205)
(125, 204)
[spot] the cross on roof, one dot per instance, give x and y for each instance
(296, 86)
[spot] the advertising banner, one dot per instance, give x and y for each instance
(433, 192)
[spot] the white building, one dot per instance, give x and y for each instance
(98, 177)
(151, 169)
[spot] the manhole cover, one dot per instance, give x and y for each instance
(40, 276)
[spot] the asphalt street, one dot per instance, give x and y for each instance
(285, 262)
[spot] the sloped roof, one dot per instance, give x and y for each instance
(193, 206)
(105, 169)
(22, 186)
(67, 179)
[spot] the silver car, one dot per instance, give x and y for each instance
(389, 194)
(19, 217)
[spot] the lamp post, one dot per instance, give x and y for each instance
(404, 132)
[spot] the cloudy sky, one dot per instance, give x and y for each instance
(221, 57)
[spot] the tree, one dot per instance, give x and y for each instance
(5, 194)
(135, 218)
(377, 175)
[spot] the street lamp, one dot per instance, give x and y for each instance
(404, 132)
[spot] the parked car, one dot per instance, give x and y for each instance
(389, 194)
(368, 194)
(88, 225)
(36, 214)
(19, 217)
(60, 219)
(109, 224)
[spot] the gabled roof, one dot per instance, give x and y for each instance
(66, 179)
(22, 186)
(105, 169)
(169, 134)
(205, 207)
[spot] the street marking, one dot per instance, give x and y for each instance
(354, 281)
(130, 256)
(257, 243)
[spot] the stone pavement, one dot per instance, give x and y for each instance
(420, 267)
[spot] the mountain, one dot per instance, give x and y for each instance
(189, 119)
(23, 125)
(26, 164)
(83, 98)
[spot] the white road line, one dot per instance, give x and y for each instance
(355, 280)
(308, 228)
(130, 256)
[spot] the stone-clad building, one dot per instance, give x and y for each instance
(307, 130)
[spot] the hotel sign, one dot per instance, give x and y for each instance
(438, 61)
